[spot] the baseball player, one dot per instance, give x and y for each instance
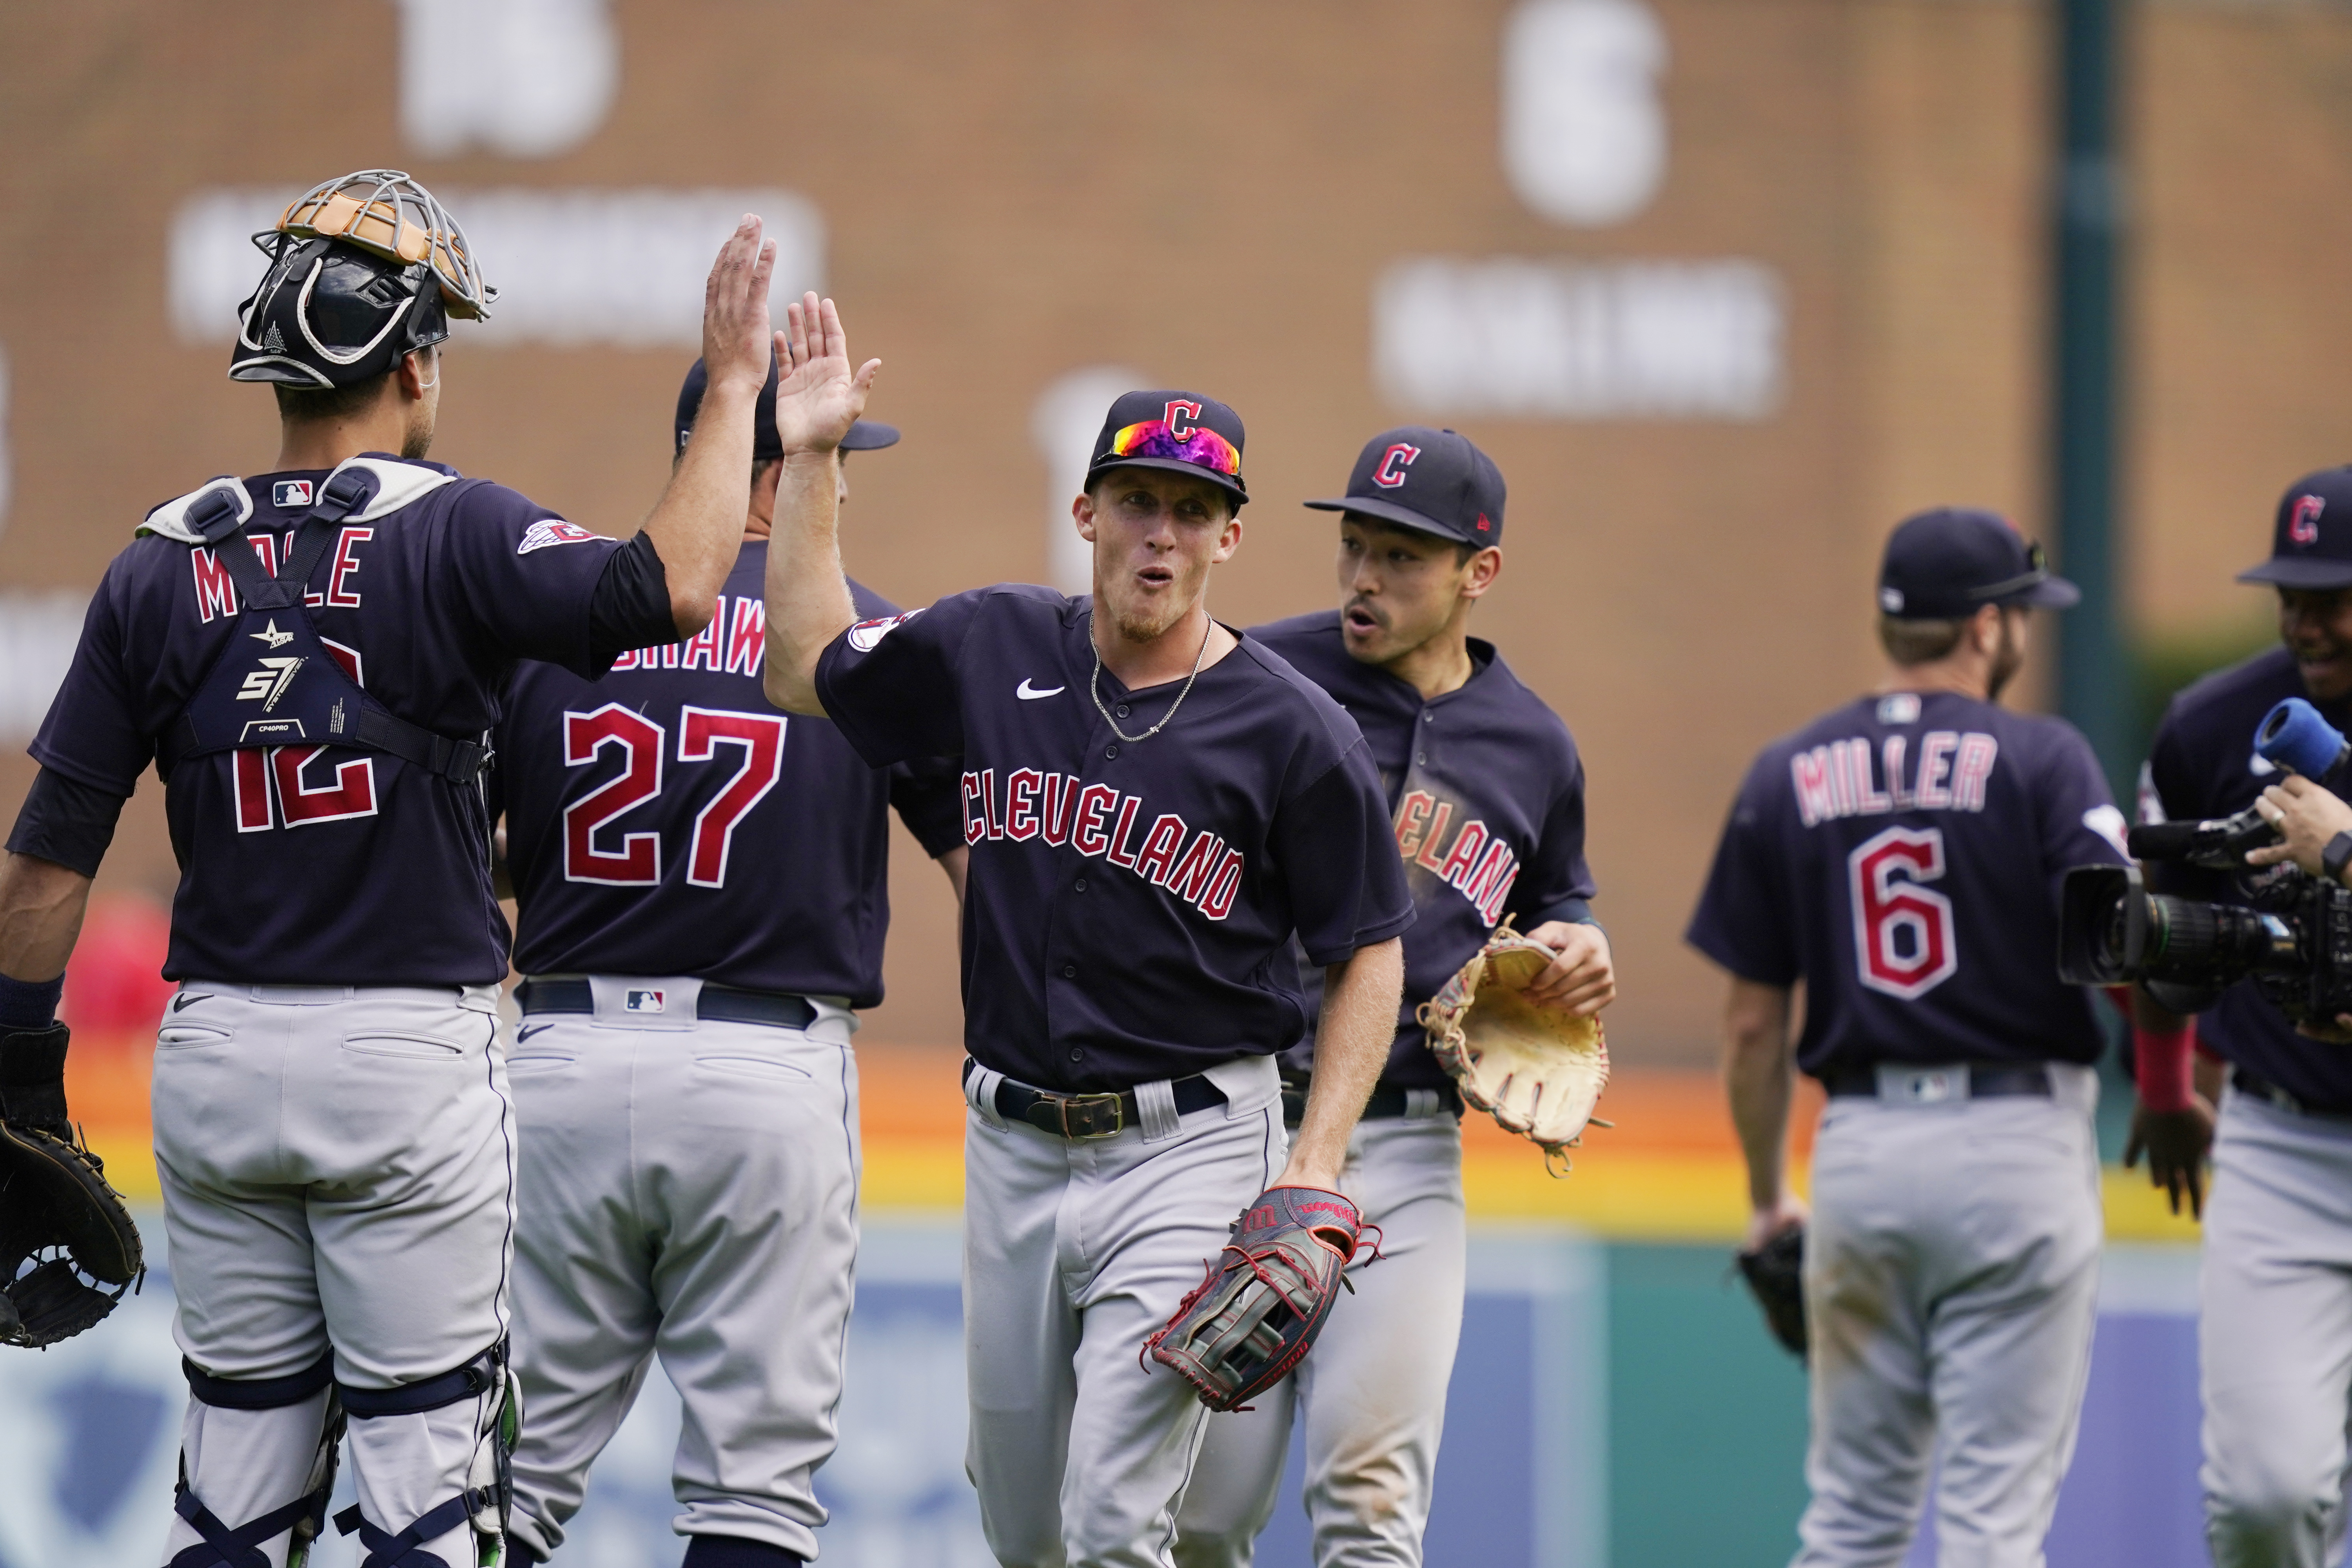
(1155, 805)
(311, 657)
(2274, 1331)
(1487, 795)
(1901, 856)
(702, 897)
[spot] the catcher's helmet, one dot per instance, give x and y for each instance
(361, 270)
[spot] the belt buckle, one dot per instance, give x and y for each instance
(1903, 1085)
(1081, 1116)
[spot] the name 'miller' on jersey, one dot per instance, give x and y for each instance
(1835, 779)
(1103, 824)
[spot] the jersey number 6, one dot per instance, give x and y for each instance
(637, 862)
(1902, 930)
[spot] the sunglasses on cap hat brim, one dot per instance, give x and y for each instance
(2033, 586)
(1198, 447)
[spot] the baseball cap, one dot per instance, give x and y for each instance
(865, 436)
(2311, 543)
(1951, 563)
(1433, 482)
(1180, 431)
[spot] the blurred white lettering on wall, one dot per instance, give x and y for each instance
(38, 634)
(528, 79)
(1064, 422)
(1580, 340)
(573, 267)
(1583, 131)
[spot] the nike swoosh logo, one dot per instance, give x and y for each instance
(1028, 693)
(181, 1000)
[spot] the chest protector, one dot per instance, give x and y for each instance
(275, 683)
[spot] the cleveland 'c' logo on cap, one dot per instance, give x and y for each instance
(1393, 463)
(2302, 524)
(1181, 416)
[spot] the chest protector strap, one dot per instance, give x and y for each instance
(277, 684)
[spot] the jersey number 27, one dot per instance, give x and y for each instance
(637, 862)
(1903, 940)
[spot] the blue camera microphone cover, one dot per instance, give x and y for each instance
(2297, 737)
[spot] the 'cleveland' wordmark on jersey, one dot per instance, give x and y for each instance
(1103, 824)
(1474, 863)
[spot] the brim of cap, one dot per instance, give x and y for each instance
(1175, 466)
(1390, 511)
(2291, 573)
(2050, 594)
(865, 435)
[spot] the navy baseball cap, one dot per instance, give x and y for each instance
(1948, 563)
(2311, 545)
(865, 436)
(1180, 431)
(1433, 481)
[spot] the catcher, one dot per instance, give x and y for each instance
(1487, 794)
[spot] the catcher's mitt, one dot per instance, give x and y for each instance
(1776, 1273)
(1265, 1298)
(1538, 1070)
(56, 1212)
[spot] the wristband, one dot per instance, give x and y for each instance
(2333, 858)
(29, 1005)
(2160, 1058)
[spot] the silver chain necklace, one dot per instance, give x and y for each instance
(1094, 688)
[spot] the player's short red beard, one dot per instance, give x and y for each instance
(1143, 620)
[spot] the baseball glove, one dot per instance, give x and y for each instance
(56, 1212)
(1776, 1273)
(1538, 1070)
(1257, 1313)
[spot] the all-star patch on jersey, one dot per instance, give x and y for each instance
(1131, 904)
(1486, 793)
(2202, 764)
(668, 820)
(1902, 856)
(318, 864)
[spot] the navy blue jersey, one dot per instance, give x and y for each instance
(1486, 792)
(1129, 907)
(317, 865)
(668, 820)
(2202, 764)
(1902, 857)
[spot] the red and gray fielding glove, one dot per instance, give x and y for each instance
(1265, 1298)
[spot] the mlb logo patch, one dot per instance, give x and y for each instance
(550, 532)
(290, 493)
(643, 1002)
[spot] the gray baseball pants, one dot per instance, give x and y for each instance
(1951, 1279)
(1373, 1389)
(338, 1168)
(2274, 1336)
(1074, 1253)
(689, 1190)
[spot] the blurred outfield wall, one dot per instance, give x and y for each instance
(1725, 286)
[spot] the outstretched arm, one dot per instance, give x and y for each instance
(697, 527)
(1351, 1046)
(818, 400)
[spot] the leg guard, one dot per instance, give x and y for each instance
(405, 1449)
(734, 1551)
(245, 1436)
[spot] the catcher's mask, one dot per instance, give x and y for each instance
(363, 269)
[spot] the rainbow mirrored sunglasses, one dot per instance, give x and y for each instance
(1200, 445)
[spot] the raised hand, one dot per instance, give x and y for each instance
(817, 398)
(735, 321)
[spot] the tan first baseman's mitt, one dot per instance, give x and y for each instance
(1538, 1070)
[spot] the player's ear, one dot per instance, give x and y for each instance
(1229, 539)
(1083, 510)
(1481, 570)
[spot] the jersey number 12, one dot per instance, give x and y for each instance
(1903, 940)
(637, 863)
